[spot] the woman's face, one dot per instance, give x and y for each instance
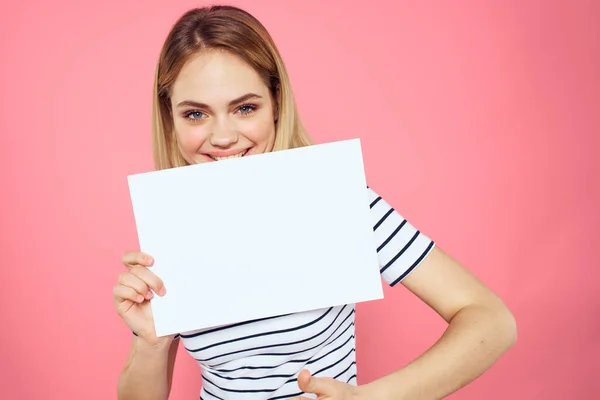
(221, 109)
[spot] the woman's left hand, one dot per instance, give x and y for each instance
(325, 388)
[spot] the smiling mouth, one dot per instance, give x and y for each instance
(238, 155)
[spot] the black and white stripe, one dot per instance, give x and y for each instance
(261, 359)
(401, 247)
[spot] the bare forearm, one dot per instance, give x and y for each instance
(476, 337)
(146, 376)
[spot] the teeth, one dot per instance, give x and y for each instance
(238, 155)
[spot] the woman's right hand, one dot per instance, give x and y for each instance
(132, 296)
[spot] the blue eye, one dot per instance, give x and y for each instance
(194, 115)
(247, 108)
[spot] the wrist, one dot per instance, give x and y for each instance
(366, 391)
(376, 390)
(155, 346)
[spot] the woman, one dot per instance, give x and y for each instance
(221, 90)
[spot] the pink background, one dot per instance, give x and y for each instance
(479, 121)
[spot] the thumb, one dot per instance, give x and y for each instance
(311, 384)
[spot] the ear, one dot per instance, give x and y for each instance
(276, 102)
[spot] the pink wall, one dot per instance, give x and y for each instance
(480, 122)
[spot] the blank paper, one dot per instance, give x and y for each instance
(258, 236)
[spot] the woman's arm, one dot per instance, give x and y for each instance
(481, 328)
(148, 372)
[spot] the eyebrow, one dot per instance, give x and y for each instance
(247, 96)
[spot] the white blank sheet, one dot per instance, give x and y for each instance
(258, 236)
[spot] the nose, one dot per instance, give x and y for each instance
(223, 135)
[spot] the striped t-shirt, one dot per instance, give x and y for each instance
(261, 359)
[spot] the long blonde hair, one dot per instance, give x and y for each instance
(231, 29)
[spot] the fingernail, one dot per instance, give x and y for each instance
(149, 260)
(149, 295)
(140, 298)
(162, 291)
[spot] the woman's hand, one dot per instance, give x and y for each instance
(326, 388)
(132, 296)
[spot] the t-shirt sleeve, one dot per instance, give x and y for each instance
(400, 246)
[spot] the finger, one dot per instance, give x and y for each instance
(310, 384)
(130, 280)
(133, 258)
(127, 293)
(122, 305)
(153, 281)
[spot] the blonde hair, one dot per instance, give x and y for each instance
(221, 28)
